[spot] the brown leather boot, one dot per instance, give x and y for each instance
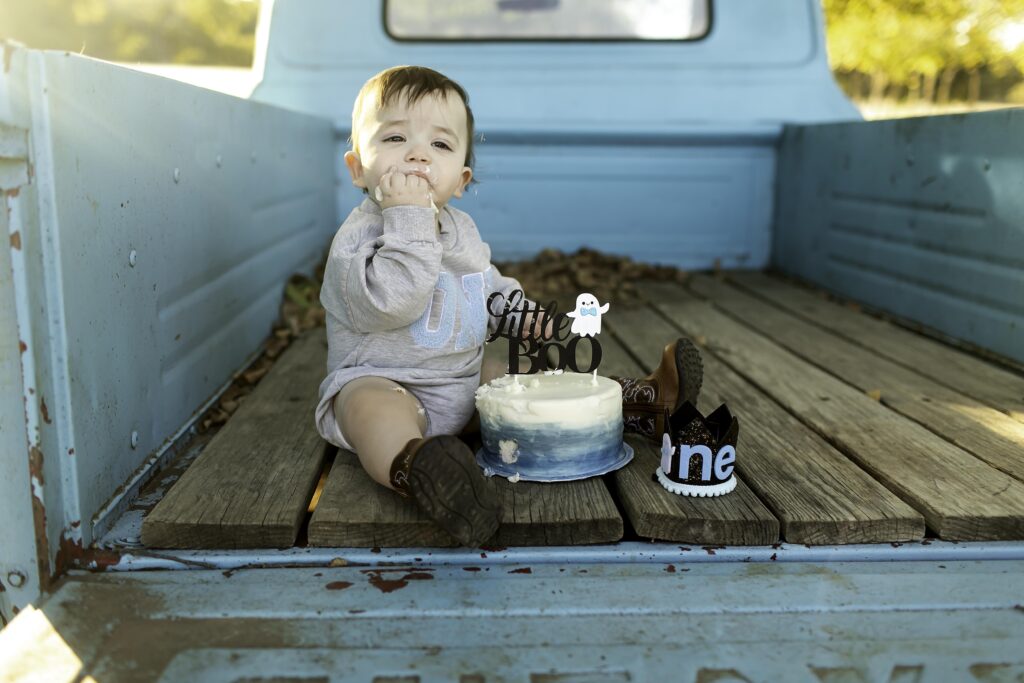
(440, 474)
(647, 401)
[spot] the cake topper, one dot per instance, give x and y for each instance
(586, 305)
(698, 454)
(512, 313)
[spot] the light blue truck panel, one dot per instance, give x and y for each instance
(662, 151)
(153, 241)
(921, 217)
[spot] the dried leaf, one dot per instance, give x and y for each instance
(253, 376)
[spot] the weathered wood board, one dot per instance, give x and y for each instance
(355, 511)
(251, 486)
(982, 430)
(975, 377)
(738, 518)
(961, 497)
(818, 494)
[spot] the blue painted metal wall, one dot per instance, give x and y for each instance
(661, 151)
(922, 217)
(148, 256)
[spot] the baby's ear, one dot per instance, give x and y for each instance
(467, 175)
(355, 169)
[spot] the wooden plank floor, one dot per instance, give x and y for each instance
(251, 485)
(852, 430)
(818, 494)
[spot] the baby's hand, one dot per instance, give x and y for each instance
(398, 189)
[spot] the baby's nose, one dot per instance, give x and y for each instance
(418, 155)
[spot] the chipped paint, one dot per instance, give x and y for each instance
(23, 346)
(35, 468)
(44, 410)
(16, 244)
(384, 585)
(338, 585)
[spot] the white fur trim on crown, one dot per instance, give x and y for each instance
(691, 490)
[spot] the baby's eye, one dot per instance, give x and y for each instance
(393, 138)
(442, 145)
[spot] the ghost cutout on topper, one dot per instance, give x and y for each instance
(586, 305)
(511, 313)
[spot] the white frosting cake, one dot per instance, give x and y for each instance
(551, 427)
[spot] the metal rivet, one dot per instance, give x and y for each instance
(131, 258)
(135, 439)
(177, 175)
(16, 579)
(220, 161)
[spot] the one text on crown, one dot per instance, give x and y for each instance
(721, 463)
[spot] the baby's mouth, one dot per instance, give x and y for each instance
(419, 171)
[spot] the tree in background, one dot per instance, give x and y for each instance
(919, 48)
(161, 31)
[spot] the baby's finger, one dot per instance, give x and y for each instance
(397, 181)
(386, 183)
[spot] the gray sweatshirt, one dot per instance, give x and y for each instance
(407, 303)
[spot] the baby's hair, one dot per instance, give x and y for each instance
(414, 83)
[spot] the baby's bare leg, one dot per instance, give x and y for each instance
(378, 418)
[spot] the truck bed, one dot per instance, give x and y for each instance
(855, 431)
(862, 443)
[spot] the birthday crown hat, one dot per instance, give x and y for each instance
(698, 454)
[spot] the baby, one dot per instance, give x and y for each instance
(405, 290)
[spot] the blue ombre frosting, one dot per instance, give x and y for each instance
(553, 427)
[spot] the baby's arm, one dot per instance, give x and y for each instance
(389, 281)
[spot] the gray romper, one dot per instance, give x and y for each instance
(409, 304)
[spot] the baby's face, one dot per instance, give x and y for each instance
(427, 138)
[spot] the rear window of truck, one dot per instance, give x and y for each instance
(544, 20)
